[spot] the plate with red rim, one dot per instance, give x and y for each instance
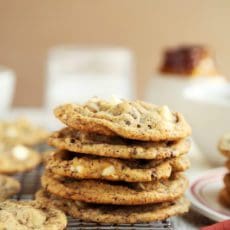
(204, 191)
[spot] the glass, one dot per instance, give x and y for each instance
(74, 74)
(7, 85)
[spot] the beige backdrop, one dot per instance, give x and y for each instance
(28, 28)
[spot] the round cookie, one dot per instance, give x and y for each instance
(113, 214)
(23, 215)
(115, 146)
(18, 158)
(107, 192)
(69, 164)
(21, 131)
(8, 187)
(224, 145)
(224, 197)
(136, 120)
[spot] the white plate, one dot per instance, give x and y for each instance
(203, 194)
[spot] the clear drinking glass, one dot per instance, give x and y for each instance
(7, 85)
(74, 74)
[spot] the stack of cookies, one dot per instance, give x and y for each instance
(117, 162)
(224, 148)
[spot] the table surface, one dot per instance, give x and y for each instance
(191, 220)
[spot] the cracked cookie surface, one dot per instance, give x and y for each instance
(27, 215)
(130, 119)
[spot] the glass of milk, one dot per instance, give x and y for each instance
(208, 112)
(74, 74)
(7, 85)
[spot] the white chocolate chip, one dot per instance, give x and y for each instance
(166, 113)
(20, 152)
(92, 104)
(115, 100)
(64, 116)
(77, 168)
(71, 168)
(94, 107)
(108, 171)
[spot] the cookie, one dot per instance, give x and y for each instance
(21, 131)
(18, 158)
(46, 155)
(227, 181)
(8, 187)
(224, 145)
(130, 119)
(115, 146)
(224, 197)
(69, 164)
(122, 193)
(30, 215)
(227, 164)
(114, 214)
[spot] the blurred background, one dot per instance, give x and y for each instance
(171, 52)
(54, 52)
(29, 29)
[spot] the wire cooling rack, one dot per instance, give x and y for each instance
(30, 183)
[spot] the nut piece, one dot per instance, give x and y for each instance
(108, 171)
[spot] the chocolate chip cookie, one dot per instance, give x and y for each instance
(122, 193)
(8, 187)
(17, 158)
(136, 120)
(21, 131)
(115, 214)
(115, 146)
(23, 215)
(79, 166)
